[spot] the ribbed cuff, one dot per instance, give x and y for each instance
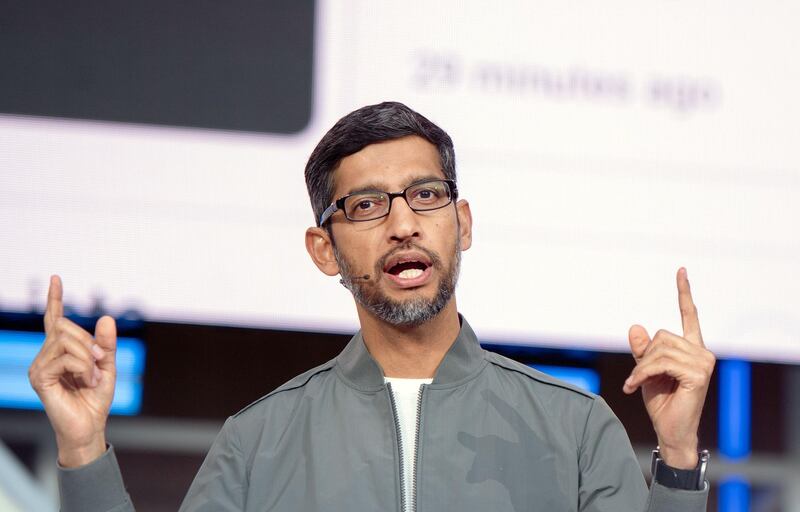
(95, 487)
(664, 498)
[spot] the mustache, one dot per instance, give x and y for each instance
(436, 261)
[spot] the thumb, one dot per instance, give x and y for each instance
(638, 340)
(105, 335)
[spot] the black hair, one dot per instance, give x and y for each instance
(360, 128)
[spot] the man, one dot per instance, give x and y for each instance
(413, 414)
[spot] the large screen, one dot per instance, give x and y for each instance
(601, 147)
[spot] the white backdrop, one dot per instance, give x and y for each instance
(601, 146)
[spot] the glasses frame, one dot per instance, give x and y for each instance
(339, 203)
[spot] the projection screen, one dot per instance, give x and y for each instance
(601, 147)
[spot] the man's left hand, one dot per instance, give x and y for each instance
(674, 373)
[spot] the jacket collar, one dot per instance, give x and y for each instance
(357, 367)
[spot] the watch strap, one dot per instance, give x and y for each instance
(685, 479)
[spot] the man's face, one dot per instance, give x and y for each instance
(412, 258)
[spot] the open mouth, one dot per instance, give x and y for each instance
(408, 270)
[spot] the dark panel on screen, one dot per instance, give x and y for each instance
(211, 372)
(231, 65)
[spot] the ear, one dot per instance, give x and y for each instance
(320, 247)
(464, 223)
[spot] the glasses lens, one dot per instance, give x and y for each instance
(429, 195)
(366, 205)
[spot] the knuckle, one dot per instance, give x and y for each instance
(77, 351)
(34, 377)
(87, 339)
(708, 360)
(670, 341)
(61, 323)
(666, 353)
(654, 350)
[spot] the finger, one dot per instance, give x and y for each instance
(69, 338)
(67, 329)
(82, 376)
(66, 364)
(641, 375)
(665, 352)
(105, 333)
(638, 340)
(664, 338)
(55, 303)
(695, 364)
(673, 364)
(689, 319)
(77, 349)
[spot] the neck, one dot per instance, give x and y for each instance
(410, 352)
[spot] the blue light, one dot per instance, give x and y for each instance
(18, 349)
(583, 378)
(734, 409)
(734, 495)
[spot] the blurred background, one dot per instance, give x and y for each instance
(152, 155)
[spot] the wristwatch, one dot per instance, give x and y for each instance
(687, 479)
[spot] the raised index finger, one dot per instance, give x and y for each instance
(55, 303)
(691, 323)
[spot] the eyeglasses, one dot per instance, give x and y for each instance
(422, 196)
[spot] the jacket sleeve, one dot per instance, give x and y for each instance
(611, 479)
(219, 486)
(95, 487)
(222, 482)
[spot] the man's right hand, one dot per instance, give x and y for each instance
(74, 375)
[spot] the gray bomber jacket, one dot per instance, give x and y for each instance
(493, 435)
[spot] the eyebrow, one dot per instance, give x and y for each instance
(377, 187)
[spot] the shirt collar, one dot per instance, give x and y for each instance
(358, 368)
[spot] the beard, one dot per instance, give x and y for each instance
(408, 313)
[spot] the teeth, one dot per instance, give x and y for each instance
(410, 273)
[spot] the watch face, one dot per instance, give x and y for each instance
(231, 65)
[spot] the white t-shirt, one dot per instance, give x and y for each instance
(406, 396)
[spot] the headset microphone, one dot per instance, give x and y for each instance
(365, 277)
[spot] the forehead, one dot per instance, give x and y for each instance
(389, 165)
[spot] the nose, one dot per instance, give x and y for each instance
(402, 221)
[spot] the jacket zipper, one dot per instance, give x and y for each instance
(416, 449)
(399, 435)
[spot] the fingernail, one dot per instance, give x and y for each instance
(97, 352)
